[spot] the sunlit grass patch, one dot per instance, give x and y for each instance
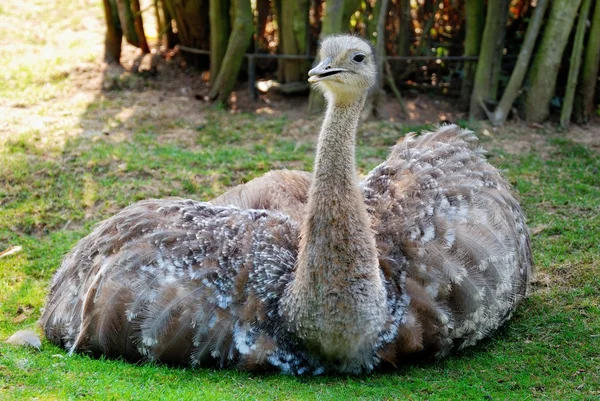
(37, 52)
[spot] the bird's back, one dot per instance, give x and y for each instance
(173, 280)
(285, 191)
(448, 222)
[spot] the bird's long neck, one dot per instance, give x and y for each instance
(335, 161)
(337, 299)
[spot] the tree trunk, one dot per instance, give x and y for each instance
(402, 69)
(487, 74)
(575, 65)
(544, 69)
(293, 33)
(584, 101)
(474, 12)
(168, 23)
(126, 20)
(371, 20)
(331, 23)
(277, 15)
(374, 105)
(219, 34)
(193, 27)
(332, 20)
(114, 34)
(380, 44)
(263, 10)
(498, 117)
(160, 29)
(138, 25)
(405, 34)
(236, 47)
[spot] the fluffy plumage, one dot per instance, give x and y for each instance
(283, 190)
(448, 219)
(429, 252)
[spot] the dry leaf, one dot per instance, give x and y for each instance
(11, 251)
(538, 229)
(19, 318)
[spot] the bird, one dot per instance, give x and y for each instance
(285, 191)
(429, 253)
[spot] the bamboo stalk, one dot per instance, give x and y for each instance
(584, 99)
(567, 107)
(394, 88)
(498, 117)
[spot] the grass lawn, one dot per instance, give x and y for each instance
(72, 154)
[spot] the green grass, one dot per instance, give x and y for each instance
(60, 177)
(51, 197)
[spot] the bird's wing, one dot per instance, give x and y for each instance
(285, 191)
(173, 280)
(449, 221)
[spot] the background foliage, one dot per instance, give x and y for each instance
(486, 54)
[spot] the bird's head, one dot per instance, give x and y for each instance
(347, 69)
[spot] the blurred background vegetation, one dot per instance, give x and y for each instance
(531, 57)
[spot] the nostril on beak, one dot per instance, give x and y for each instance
(328, 67)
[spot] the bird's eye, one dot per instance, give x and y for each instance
(358, 57)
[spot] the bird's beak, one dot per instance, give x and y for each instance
(323, 70)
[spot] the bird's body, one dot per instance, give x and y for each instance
(283, 190)
(428, 252)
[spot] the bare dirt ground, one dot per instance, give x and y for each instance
(176, 94)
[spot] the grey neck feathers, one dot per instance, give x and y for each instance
(335, 162)
(337, 301)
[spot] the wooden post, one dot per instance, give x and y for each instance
(487, 74)
(584, 99)
(474, 20)
(219, 35)
(114, 34)
(498, 116)
(546, 63)
(236, 47)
